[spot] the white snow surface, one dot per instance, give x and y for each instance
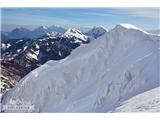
(96, 77)
(145, 102)
(129, 26)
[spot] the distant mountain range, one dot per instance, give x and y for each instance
(20, 33)
(96, 31)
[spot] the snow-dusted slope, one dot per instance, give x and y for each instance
(96, 77)
(146, 102)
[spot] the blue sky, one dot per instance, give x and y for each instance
(145, 18)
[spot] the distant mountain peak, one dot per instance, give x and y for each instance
(40, 31)
(102, 27)
(74, 33)
(96, 31)
(19, 33)
(43, 27)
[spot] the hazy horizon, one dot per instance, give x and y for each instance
(81, 18)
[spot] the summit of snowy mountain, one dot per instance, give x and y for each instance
(96, 77)
(96, 31)
(76, 34)
(130, 26)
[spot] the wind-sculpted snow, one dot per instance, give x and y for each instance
(96, 77)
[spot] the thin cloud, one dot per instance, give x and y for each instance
(151, 13)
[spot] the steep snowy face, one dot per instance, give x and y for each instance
(96, 77)
(77, 35)
(96, 32)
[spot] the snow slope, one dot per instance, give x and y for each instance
(96, 77)
(146, 102)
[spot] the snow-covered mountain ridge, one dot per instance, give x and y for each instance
(96, 77)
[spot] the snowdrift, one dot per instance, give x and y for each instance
(96, 77)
